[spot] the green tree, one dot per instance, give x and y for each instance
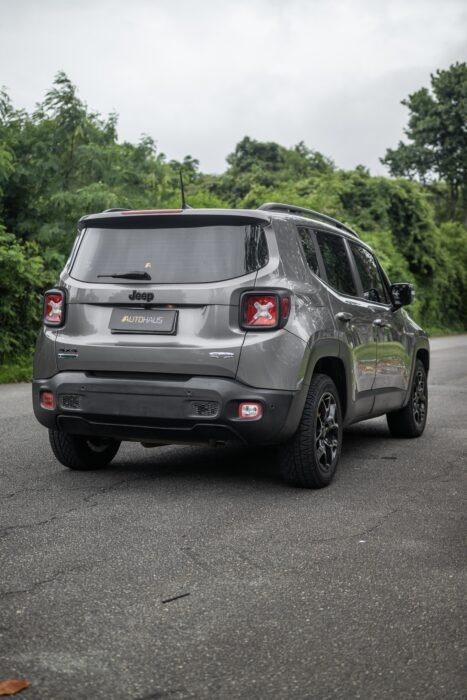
(64, 160)
(24, 274)
(437, 135)
(264, 164)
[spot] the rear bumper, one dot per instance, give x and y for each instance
(161, 408)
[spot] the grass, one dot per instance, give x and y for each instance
(441, 332)
(16, 372)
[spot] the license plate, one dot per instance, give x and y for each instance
(143, 321)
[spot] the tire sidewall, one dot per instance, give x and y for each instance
(418, 428)
(327, 387)
(74, 452)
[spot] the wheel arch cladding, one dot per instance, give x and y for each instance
(424, 356)
(335, 369)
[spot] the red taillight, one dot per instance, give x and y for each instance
(47, 400)
(260, 310)
(54, 307)
(250, 410)
(264, 310)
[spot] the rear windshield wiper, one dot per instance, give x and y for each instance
(129, 275)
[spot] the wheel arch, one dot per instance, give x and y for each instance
(334, 368)
(325, 358)
(424, 356)
(421, 352)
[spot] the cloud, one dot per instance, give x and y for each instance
(199, 76)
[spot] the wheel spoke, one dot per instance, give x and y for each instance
(419, 398)
(320, 452)
(327, 431)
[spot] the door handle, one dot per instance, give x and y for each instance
(379, 322)
(344, 316)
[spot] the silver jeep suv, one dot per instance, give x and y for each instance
(274, 326)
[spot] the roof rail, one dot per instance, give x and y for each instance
(292, 209)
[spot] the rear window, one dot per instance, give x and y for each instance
(171, 255)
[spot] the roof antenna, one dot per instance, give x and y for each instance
(184, 204)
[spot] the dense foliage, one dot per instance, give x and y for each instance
(64, 160)
(437, 133)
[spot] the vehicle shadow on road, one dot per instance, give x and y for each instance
(195, 463)
(376, 429)
(198, 462)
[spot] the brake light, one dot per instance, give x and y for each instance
(152, 211)
(264, 310)
(54, 307)
(260, 310)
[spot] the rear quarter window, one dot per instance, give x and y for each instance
(336, 262)
(171, 255)
(309, 249)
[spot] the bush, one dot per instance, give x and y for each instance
(24, 275)
(19, 372)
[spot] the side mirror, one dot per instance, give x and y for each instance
(402, 294)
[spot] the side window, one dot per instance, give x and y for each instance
(374, 288)
(309, 249)
(336, 262)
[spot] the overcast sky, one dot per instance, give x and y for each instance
(198, 76)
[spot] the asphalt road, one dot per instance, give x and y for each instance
(355, 591)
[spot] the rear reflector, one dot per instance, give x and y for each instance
(250, 411)
(54, 307)
(47, 400)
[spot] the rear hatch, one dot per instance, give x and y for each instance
(173, 306)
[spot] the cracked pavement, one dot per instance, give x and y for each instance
(355, 591)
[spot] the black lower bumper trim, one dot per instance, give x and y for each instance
(197, 433)
(188, 410)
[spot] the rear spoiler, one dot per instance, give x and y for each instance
(172, 218)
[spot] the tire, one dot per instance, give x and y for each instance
(302, 460)
(410, 421)
(82, 452)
